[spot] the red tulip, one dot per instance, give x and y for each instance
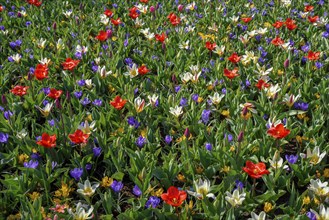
(133, 12)
(308, 8)
(278, 131)
(261, 83)
(255, 170)
(210, 46)
(231, 74)
(55, 94)
(78, 137)
(277, 41)
(108, 13)
(143, 70)
(161, 37)
(278, 24)
(41, 72)
(34, 2)
(47, 141)
(234, 58)
(70, 64)
(246, 20)
(313, 19)
(1, 8)
(19, 90)
(174, 19)
(116, 22)
(102, 36)
(290, 24)
(174, 197)
(118, 102)
(313, 55)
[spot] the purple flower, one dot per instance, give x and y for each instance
(78, 94)
(82, 82)
(7, 114)
(239, 184)
(97, 151)
(291, 158)
(229, 137)
(208, 146)
(97, 102)
(168, 139)
(51, 122)
(301, 106)
(31, 164)
(85, 101)
(205, 116)
(76, 173)
(3, 137)
(133, 122)
(318, 65)
(195, 97)
(311, 215)
(306, 47)
(28, 23)
(116, 186)
(53, 164)
(183, 102)
(88, 166)
(35, 156)
(141, 141)
(177, 88)
(137, 191)
(153, 202)
(224, 91)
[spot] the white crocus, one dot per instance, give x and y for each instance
(153, 99)
(248, 57)
(202, 188)
(89, 83)
(67, 13)
(22, 134)
(186, 77)
(132, 71)
(142, 8)
(87, 189)
(45, 61)
(323, 213)
(216, 98)
(261, 216)
(139, 22)
(262, 71)
(262, 31)
(139, 104)
(319, 188)
(177, 111)
(235, 19)
(60, 45)
(219, 50)
(272, 91)
(252, 33)
(314, 156)
(244, 39)
(81, 213)
(46, 110)
(104, 19)
(236, 198)
(81, 49)
(102, 71)
(17, 57)
(184, 45)
(290, 99)
(277, 161)
(86, 128)
(41, 43)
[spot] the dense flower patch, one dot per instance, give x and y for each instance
(208, 109)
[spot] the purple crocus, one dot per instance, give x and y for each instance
(3, 137)
(76, 173)
(141, 141)
(291, 158)
(208, 146)
(31, 164)
(168, 139)
(116, 186)
(153, 202)
(205, 116)
(137, 191)
(97, 151)
(133, 122)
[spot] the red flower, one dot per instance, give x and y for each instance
(118, 102)
(1, 8)
(261, 83)
(41, 71)
(78, 137)
(277, 41)
(19, 90)
(246, 20)
(278, 131)
(313, 55)
(255, 170)
(143, 70)
(144, 1)
(102, 36)
(210, 46)
(278, 24)
(161, 37)
(231, 74)
(70, 64)
(108, 13)
(174, 197)
(313, 19)
(308, 8)
(116, 22)
(234, 58)
(55, 94)
(174, 19)
(133, 13)
(47, 141)
(34, 2)
(290, 24)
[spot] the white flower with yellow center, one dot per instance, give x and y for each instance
(277, 161)
(314, 156)
(186, 77)
(41, 43)
(177, 111)
(202, 188)
(272, 91)
(262, 31)
(81, 213)
(60, 45)
(132, 71)
(318, 187)
(86, 128)
(142, 8)
(17, 57)
(139, 104)
(216, 98)
(67, 13)
(248, 57)
(103, 73)
(262, 71)
(45, 61)
(252, 33)
(81, 49)
(87, 189)
(139, 22)
(219, 50)
(153, 99)
(244, 39)
(104, 19)
(261, 216)
(184, 45)
(45, 110)
(323, 213)
(290, 99)
(236, 198)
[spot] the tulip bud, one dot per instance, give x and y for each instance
(4, 100)
(68, 96)
(54, 25)
(58, 104)
(286, 63)
(152, 9)
(244, 111)
(187, 133)
(19, 14)
(240, 137)
(180, 8)
(109, 33)
(174, 79)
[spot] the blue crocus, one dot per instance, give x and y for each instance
(3, 137)
(205, 116)
(291, 158)
(168, 139)
(31, 164)
(141, 141)
(153, 202)
(97, 151)
(116, 186)
(76, 173)
(208, 146)
(137, 191)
